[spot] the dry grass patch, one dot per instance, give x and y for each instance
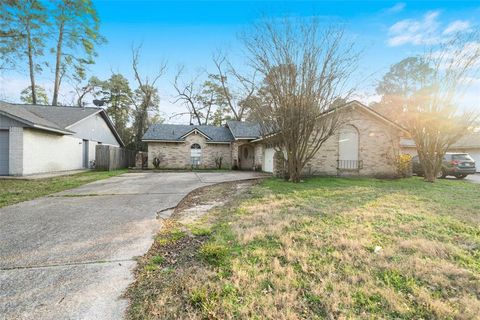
(338, 249)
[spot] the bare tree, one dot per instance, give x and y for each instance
(146, 96)
(234, 88)
(197, 100)
(434, 118)
(305, 69)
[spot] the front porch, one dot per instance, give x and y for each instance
(247, 156)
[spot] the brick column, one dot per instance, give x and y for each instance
(15, 153)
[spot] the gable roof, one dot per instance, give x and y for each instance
(361, 106)
(53, 118)
(244, 130)
(178, 132)
(355, 103)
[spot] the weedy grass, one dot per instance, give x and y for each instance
(307, 251)
(15, 191)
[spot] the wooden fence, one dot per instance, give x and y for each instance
(112, 158)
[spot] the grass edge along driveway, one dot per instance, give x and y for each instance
(14, 191)
(326, 248)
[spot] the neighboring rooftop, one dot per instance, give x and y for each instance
(59, 118)
(62, 116)
(176, 132)
(469, 141)
(244, 130)
(52, 118)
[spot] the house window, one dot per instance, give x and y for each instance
(195, 154)
(348, 148)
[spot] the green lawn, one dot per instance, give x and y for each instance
(14, 191)
(307, 251)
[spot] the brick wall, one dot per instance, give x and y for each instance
(377, 141)
(177, 155)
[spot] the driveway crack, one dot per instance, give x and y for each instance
(198, 177)
(56, 265)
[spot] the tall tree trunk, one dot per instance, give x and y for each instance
(58, 62)
(431, 167)
(31, 65)
(294, 170)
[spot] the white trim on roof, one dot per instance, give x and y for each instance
(218, 142)
(37, 126)
(195, 131)
(159, 140)
(33, 125)
(112, 126)
(245, 138)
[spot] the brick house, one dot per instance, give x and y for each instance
(366, 145)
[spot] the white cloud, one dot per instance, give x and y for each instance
(416, 32)
(425, 31)
(396, 8)
(457, 26)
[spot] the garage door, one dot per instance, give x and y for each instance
(3, 152)
(476, 157)
(268, 160)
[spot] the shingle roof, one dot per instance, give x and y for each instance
(22, 114)
(175, 132)
(62, 116)
(469, 141)
(51, 118)
(241, 129)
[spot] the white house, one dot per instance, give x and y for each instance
(39, 139)
(468, 144)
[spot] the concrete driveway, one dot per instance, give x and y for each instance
(475, 178)
(71, 255)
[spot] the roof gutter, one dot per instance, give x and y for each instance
(37, 126)
(158, 140)
(112, 127)
(218, 142)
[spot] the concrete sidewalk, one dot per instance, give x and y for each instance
(71, 255)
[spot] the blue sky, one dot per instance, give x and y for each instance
(188, 32)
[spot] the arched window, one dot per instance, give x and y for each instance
(195, 154)
(348, 148)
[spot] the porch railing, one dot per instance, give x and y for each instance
(349, 164)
